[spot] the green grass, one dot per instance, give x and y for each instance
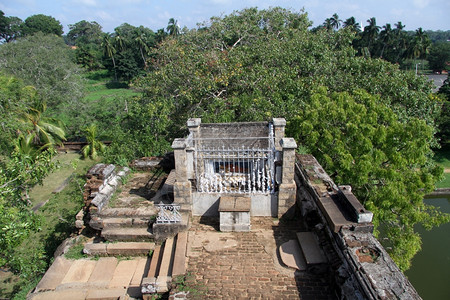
(99, 87)
(69, 163)
(442, 158)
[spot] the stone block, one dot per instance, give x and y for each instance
(54, 274)
(140, 272)
(123, 274)
(108, 294)
(103, 272)
(95, 249)
(76, 294)
(310, 248)
(129, 248)
(79, 272)
(148, 285)
(290, 254)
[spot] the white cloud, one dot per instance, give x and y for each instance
(87, 2)
(421, 3)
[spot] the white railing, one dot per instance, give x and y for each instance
(168, 214)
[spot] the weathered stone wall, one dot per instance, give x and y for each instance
(360, 266)
(102, 181)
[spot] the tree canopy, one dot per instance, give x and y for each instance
(258, 64)
(41, 23)
(45, 62)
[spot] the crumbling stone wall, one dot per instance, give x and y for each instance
(360, 266)
(101, 183)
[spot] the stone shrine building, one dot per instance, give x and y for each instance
(249, 165)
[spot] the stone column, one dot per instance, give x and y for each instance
(278, 125)
(194, 133)
(287, 188)
(182, 185)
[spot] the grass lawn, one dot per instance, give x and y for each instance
(69, 163)
(100, 88)
(442, 158)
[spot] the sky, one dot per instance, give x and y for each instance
(155, 14)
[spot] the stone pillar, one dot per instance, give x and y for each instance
(194, 133)
(287, 189)
(278, 125)
(182, 185)
(194, 127)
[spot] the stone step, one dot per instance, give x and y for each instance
(140, 212)
(126, 222)
(310, 248)
(127, 234)
(106, 294)
(291, 255)
(155, 262)
(54, 274)
(179, 260)
(78, 274)
(123, 274)
(75, 294)
(103, 272)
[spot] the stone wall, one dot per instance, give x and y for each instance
(360, 266)
(101, 182)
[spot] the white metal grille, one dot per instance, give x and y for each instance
(235, 170)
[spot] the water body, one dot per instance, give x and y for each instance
(430, 270)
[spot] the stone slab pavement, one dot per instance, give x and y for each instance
(246, 265)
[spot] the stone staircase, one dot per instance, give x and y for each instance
(168, 260)
(107, 278)
(304, 254)
(111, 278)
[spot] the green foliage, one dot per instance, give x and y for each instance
(9, 28)
(361, 142)
(94, 146)
(14, 98)
(439, 56)
(443, 121)
(41, 23)
(16, 219)
(76, 252)
(45, 62)
(45, 131)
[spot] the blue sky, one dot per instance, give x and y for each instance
(428, 14)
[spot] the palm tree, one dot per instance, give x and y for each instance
(352, 24)
(94, 146)
(141, 43)
(172, 27)
(371, 32)
(386, 36)
(25, 145)
(401, 44)
(109, 50)
(46, 131)
(335, 21)
(119, 41)
(327, 24)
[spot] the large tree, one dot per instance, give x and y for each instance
(45, 62)
(257, 64)
(9, 28)
(41, 23)
(360, 140)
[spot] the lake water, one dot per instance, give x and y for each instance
(430, 270)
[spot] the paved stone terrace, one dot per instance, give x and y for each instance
(245, 265)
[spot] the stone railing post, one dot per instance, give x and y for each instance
(287, 188)
(278, 125)
(182, 185)
(193, 125)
